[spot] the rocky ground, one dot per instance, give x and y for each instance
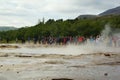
(24, 66)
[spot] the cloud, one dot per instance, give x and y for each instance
(27, 12)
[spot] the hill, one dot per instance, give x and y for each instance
(83, 25)
(60, 28)
(7, 28)
(113, 11)
(88, 16)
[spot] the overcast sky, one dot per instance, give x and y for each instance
(20, 13)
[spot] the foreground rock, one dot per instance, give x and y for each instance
(8, 46)
(62, 79)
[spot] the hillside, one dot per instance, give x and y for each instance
(7, 28)
(60, 28)
(113, 11)
(88, 16)
(83, 25)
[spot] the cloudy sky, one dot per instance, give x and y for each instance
(20, 13)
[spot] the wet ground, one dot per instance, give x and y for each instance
(44, 66)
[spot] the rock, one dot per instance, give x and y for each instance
(17, 72)
(1, 65)
(62, 79)
(106, 74)
(107, 55)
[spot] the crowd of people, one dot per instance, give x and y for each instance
(54, 40)
(97, 40)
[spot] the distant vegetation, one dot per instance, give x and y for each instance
(59, 28)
